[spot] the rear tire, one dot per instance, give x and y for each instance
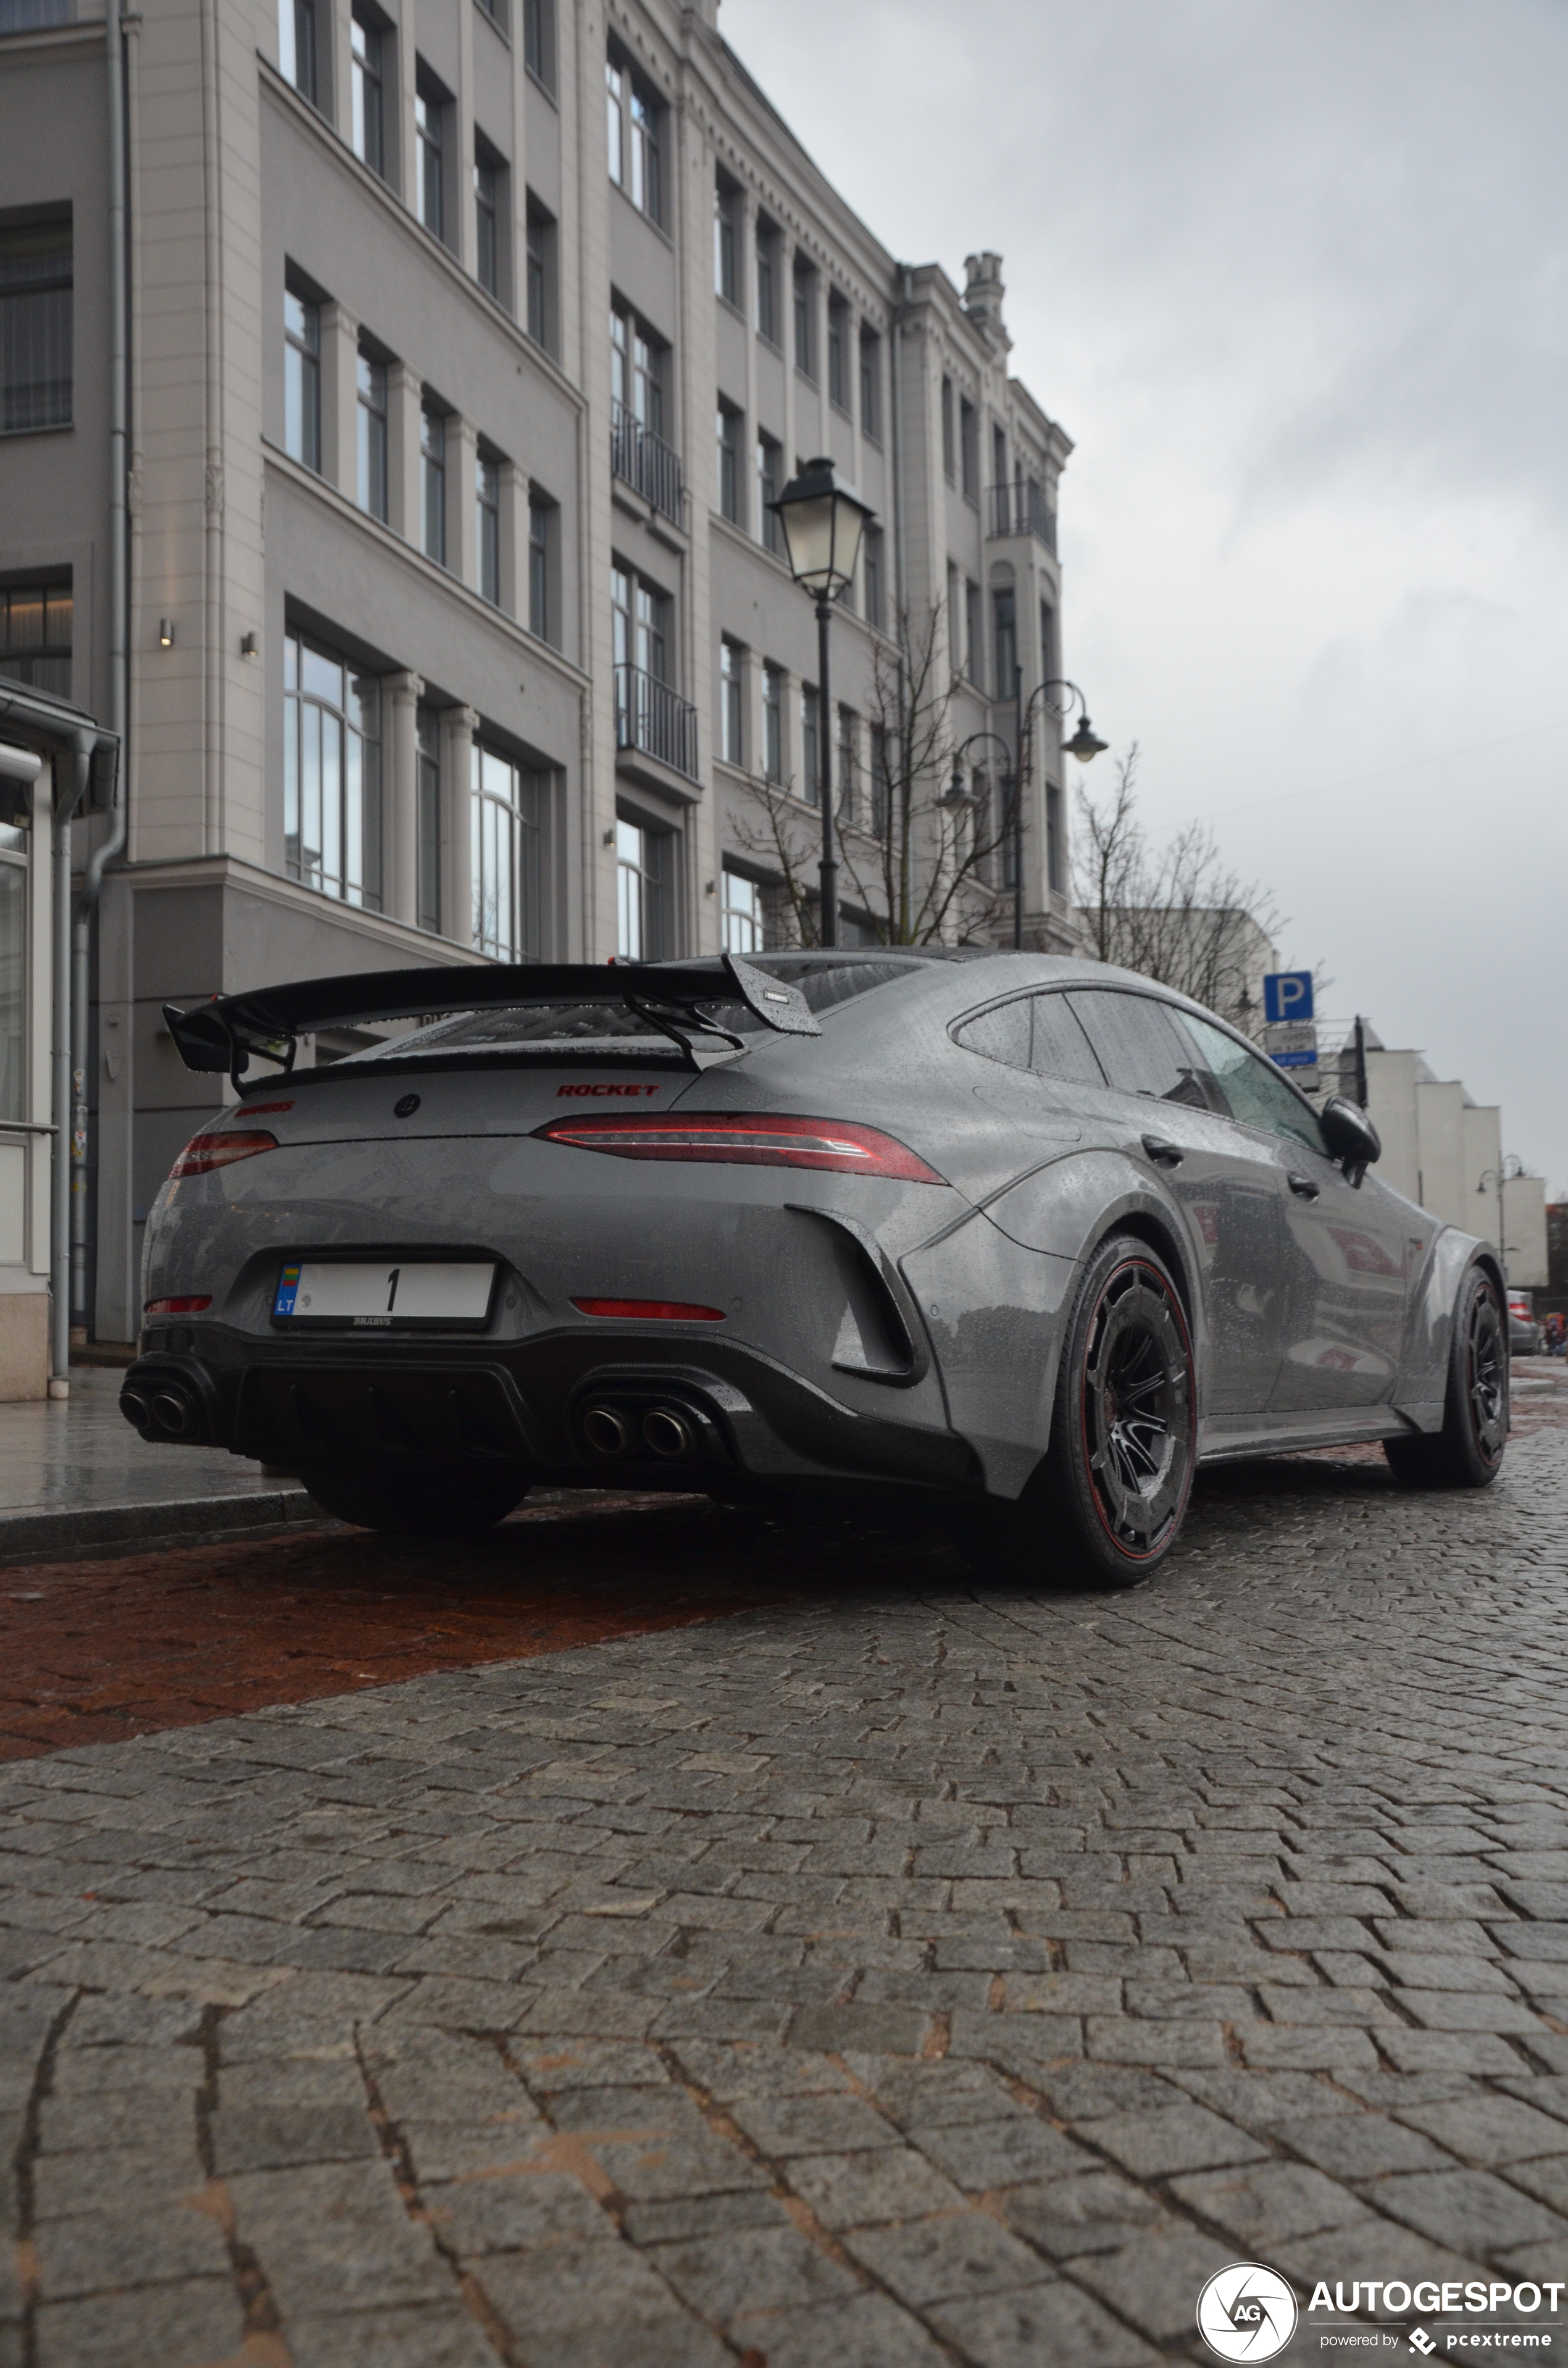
(414, 1500)
(1468, 1451)
(1123, 1433)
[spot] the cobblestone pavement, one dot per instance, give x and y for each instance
(949, 1970)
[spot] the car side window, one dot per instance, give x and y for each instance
(1060, 1048)
(1000, 1034)
(1255, 1092)
(1141, 1051)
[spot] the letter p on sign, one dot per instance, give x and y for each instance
(1287, 995)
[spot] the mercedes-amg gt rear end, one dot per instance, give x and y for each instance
(586, 1242)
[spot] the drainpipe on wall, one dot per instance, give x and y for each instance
(113, 844)
(67, 805)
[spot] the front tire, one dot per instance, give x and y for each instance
(1124, 1433)
(414, 1500)
(1468, 1451)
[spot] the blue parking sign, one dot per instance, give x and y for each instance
(1287, 995)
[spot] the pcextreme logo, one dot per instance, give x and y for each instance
(1246, 2312)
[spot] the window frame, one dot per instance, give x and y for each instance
(732, 656)
(540, 233)
(773, 679)
(301, 376)
(870, 357)
(542, 515)
(840, 317)
(373, 475)
(433, 480)
(506, 849)
(487, 524)
(489, 216)
(803, 300)
(367, 74)
(749, 913)
(728, 241)
(730, 429)
(432, 112)
(343, 832)
(765, 276)
(299, 49)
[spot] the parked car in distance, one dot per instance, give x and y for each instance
(1527, 1337)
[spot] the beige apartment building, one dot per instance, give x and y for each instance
(465, 343)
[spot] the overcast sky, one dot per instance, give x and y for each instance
(1293, 275)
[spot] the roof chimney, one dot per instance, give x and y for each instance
(983, 296)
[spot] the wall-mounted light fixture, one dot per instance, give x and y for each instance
(166, 632)
(250, 645)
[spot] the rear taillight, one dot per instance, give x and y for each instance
(193, 1303)
(750, 1142)
(205, 1152)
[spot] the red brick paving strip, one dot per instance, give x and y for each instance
(95, 1652)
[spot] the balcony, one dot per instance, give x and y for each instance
(655, 721)
(1022, 509)
(646, 463)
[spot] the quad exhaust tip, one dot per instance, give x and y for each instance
(664, 1431)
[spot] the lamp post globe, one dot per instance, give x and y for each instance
(823, 524)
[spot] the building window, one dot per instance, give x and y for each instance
(810, 753)
(13, 970)
(301, 378)
(538, 30)
(769, 478)
(639, 623)
(541, 538)
(726, 241)
(373, 377)
(969, 449)
(635, 125)
(35, 636)
(368, 132)
(767, 281)
(1047, 641)
(636, 373)
(1005, 624)
(805, 318)
(504, 822)
(848, 786)
(36, 272)
(732, 701)
(881, 783)
(428, 748)
(429, 141)
(487, 525)
(297, 45)
(949, 437)
(541, 276)
(773, 723)
(332, 779)
(731, 428)
(973, 637)
(871, 560)
(489, 185)
(742, 918)
(838, 352)
(1055, 854)
(640, 891)
(433, 483)
(998, 454)
(497, 12)
(872, 385)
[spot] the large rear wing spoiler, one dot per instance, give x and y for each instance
(223, 1034)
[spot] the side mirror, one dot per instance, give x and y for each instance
(1351, 1137)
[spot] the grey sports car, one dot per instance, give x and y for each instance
(1019, 1233)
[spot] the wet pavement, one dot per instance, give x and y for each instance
(651, 1938)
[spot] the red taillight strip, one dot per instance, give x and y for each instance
(839, 1144)
(672, 1311)
(205, 1152)
(191, 1305)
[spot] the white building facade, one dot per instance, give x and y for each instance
(467, 344)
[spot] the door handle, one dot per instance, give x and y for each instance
(1163, 1154)
(1302, 1185)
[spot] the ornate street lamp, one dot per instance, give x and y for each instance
(823, 525)
(1084, 745)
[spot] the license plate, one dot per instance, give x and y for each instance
(381, 1297)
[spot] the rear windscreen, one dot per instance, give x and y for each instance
(583, 1026)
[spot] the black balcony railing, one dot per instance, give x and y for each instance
(1022, 509)
(650, 716)
(646, 461)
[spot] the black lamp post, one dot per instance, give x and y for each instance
(1084, 745)
(823, 525)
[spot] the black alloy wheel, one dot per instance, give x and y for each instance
(1124, 1432)
(1468, 1450)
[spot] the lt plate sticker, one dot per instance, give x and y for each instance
(288, 1285)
